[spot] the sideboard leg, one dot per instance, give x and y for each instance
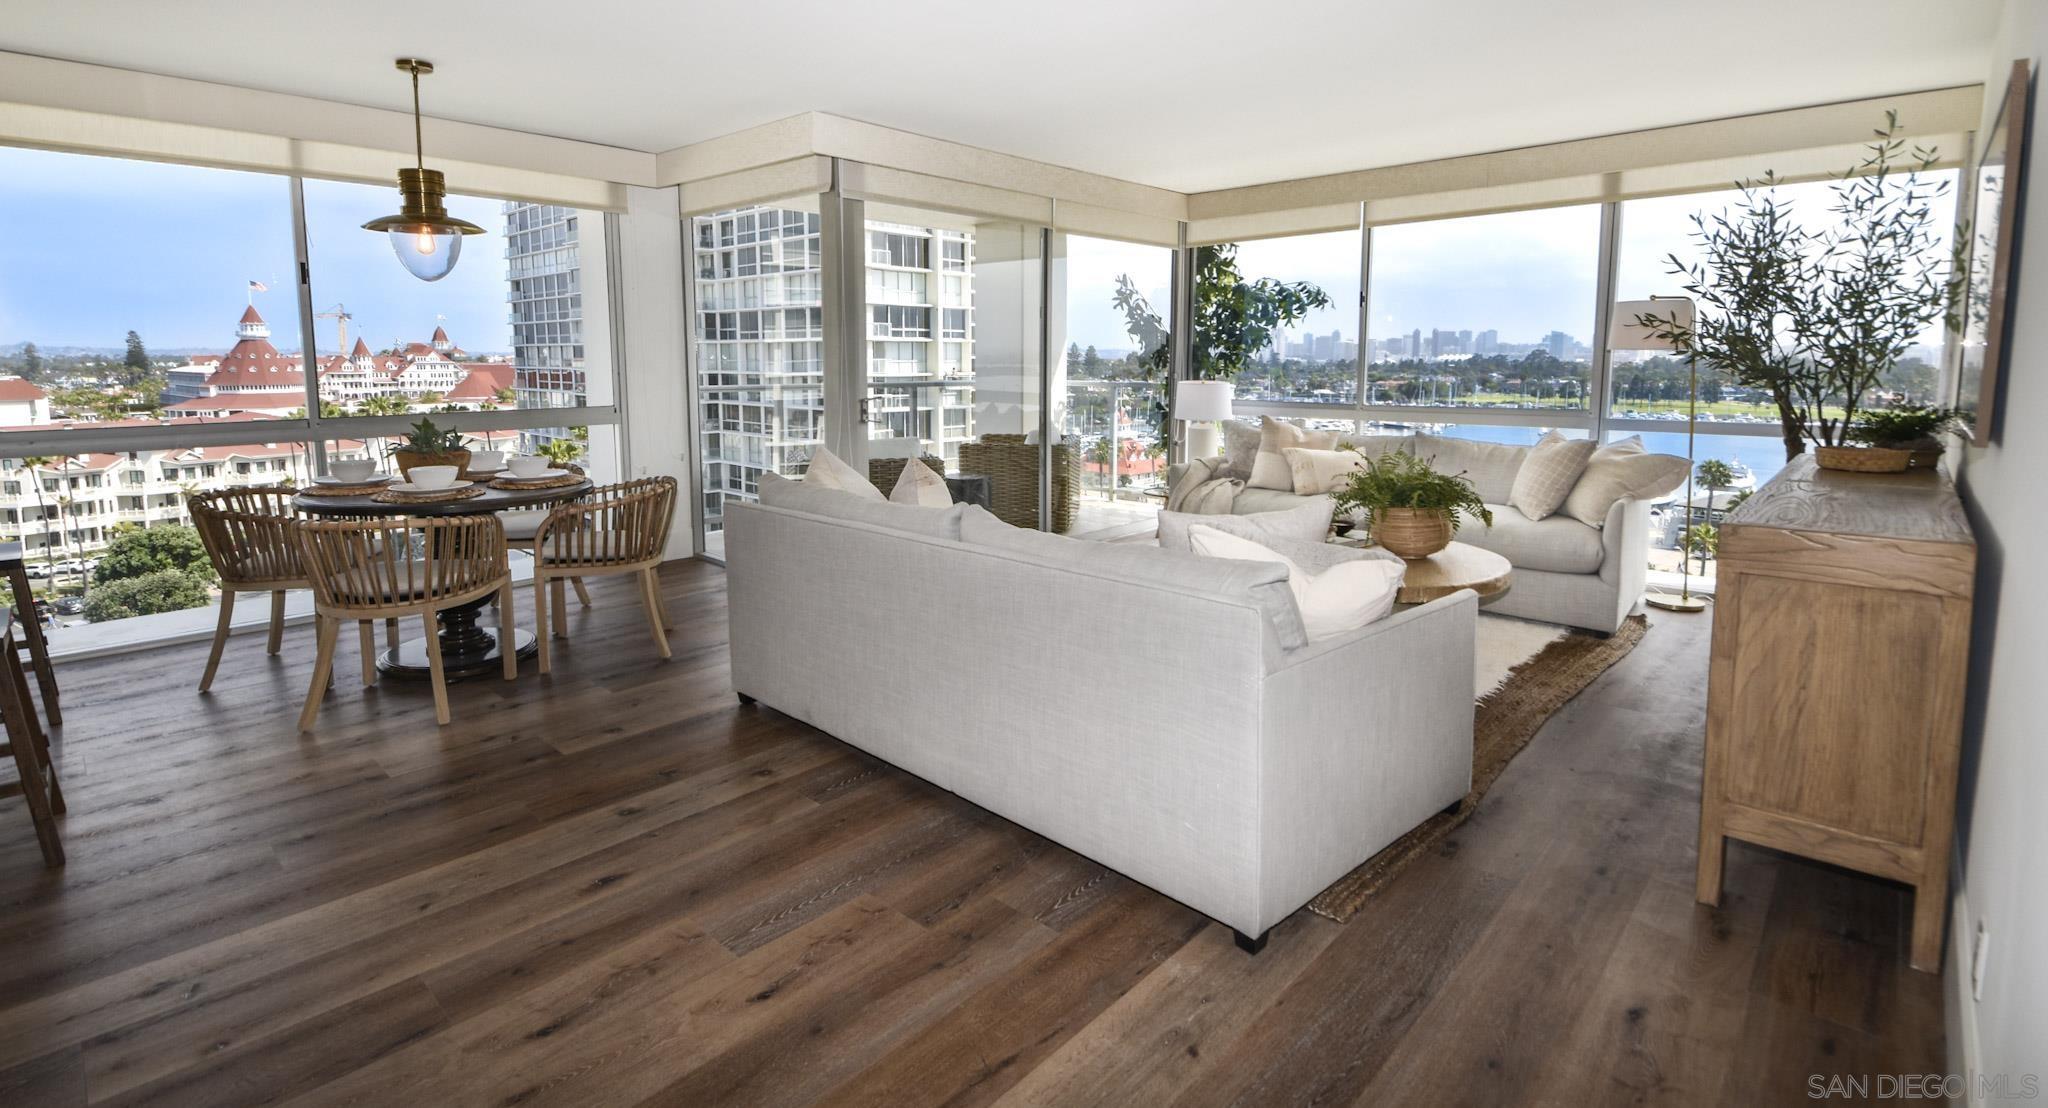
(1930, 914)
(745, 700)
(1248, 944)
(1713, 856)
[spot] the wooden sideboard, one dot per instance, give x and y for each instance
(1835, 686)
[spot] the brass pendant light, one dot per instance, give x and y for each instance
(427, 240)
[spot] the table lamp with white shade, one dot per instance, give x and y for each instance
(1625, 331)
(1203, 405)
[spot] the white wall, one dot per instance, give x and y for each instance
(655, 411)
(2003, 807)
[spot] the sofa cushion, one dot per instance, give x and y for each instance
(1490, 466)
(1316, 472)
(827, 470)
(1344, 597)
(1557, 543)
(1307, 521)
(1264, 583)
(778, 491)
(921, 485)
(1621, 471)
(1548, 474)
(1269, 469)
(1250, 500)
(1240, 448)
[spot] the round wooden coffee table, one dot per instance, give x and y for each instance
(1455, 567)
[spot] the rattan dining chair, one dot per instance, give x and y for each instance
(29, 745)
(247, 534)
(392, 568)
(612, 529)
(522, 524)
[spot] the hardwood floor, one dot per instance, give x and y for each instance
(618, 886)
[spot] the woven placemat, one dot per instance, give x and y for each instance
(438, 496)
(530, 484)
(364, 489)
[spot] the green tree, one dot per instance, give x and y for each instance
(135, 364)
(1091, 362)
(1073, 355)
(507, 395)
(31, 361)
(35, 464)
(1700, 540)
(385, 404)
(1715, 474)
(139, 551)
(165, 590)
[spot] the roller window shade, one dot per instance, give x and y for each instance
(762, 184)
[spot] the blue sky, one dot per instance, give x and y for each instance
(91, 247)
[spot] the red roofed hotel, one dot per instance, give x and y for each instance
(255, 377)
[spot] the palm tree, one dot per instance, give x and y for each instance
(1701, 539)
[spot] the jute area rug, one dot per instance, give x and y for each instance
(1553, 667)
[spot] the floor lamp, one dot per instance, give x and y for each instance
(1627, 331)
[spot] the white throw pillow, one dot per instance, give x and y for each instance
(828, 471)
(920, 486)
(1548, 474)
(1269, 469)
(1316, 472)
(1343, 598)
(1305, 523)
(1621, 471)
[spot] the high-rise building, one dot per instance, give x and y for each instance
(1558, 344)
(1415, 343)
(760, 343)
(1486, 342)
(545, 297)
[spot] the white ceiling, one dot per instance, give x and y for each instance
(1183, 94)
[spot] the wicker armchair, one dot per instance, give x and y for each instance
(883, 472)
(1011, 465)
(247, 534)
(612, 529)
(375, 569)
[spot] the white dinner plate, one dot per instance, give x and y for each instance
(408, 486)
(543, 475)
(372, 479)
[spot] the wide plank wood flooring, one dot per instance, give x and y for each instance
(616, 885)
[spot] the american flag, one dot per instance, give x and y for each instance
(258, 286)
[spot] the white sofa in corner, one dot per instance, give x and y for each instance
(1238, 770)
(1565, 571)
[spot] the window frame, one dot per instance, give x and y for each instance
(313, 429)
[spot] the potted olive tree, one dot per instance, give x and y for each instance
(1412, 509)
(1815, 317)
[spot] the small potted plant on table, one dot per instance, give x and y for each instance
(1411, 508)
(1911, 428)
(428, 445)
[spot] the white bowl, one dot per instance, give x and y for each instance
(486, 461)
(433, 477)
(525, 465)
(352, 469)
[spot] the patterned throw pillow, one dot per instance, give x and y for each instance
(1316, 472)
(1548, 474)
(1240, 449)
(1269, 469)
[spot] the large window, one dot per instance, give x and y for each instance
(759, 337)
(1116, 316)
(1491, 311)
(145, 302)
(1313, 359)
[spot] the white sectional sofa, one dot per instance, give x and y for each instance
(1565, 571)
(1152, 710)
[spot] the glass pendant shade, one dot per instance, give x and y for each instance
(427, 240)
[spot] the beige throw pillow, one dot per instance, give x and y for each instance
(1342, 598)
(1621, 471)
(1548, 474)
(920, 486)
(1240, 448)
(827, 471)
(1269, 469)
(1316, 472)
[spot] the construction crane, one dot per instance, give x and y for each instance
(340, 315)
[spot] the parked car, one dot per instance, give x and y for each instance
(39, 569)
(70, 605)
(70, 565)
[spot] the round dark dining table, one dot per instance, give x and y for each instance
(467, 648)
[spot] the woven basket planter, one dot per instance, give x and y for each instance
(1011, 466)
(406, 459)
(1412, 532)
(1863, 459)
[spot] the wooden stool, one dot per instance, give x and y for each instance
(31, 750)
(30, 637)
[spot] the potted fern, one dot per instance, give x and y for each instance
(1411, 508)
(428, 445)
(1912, 428)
